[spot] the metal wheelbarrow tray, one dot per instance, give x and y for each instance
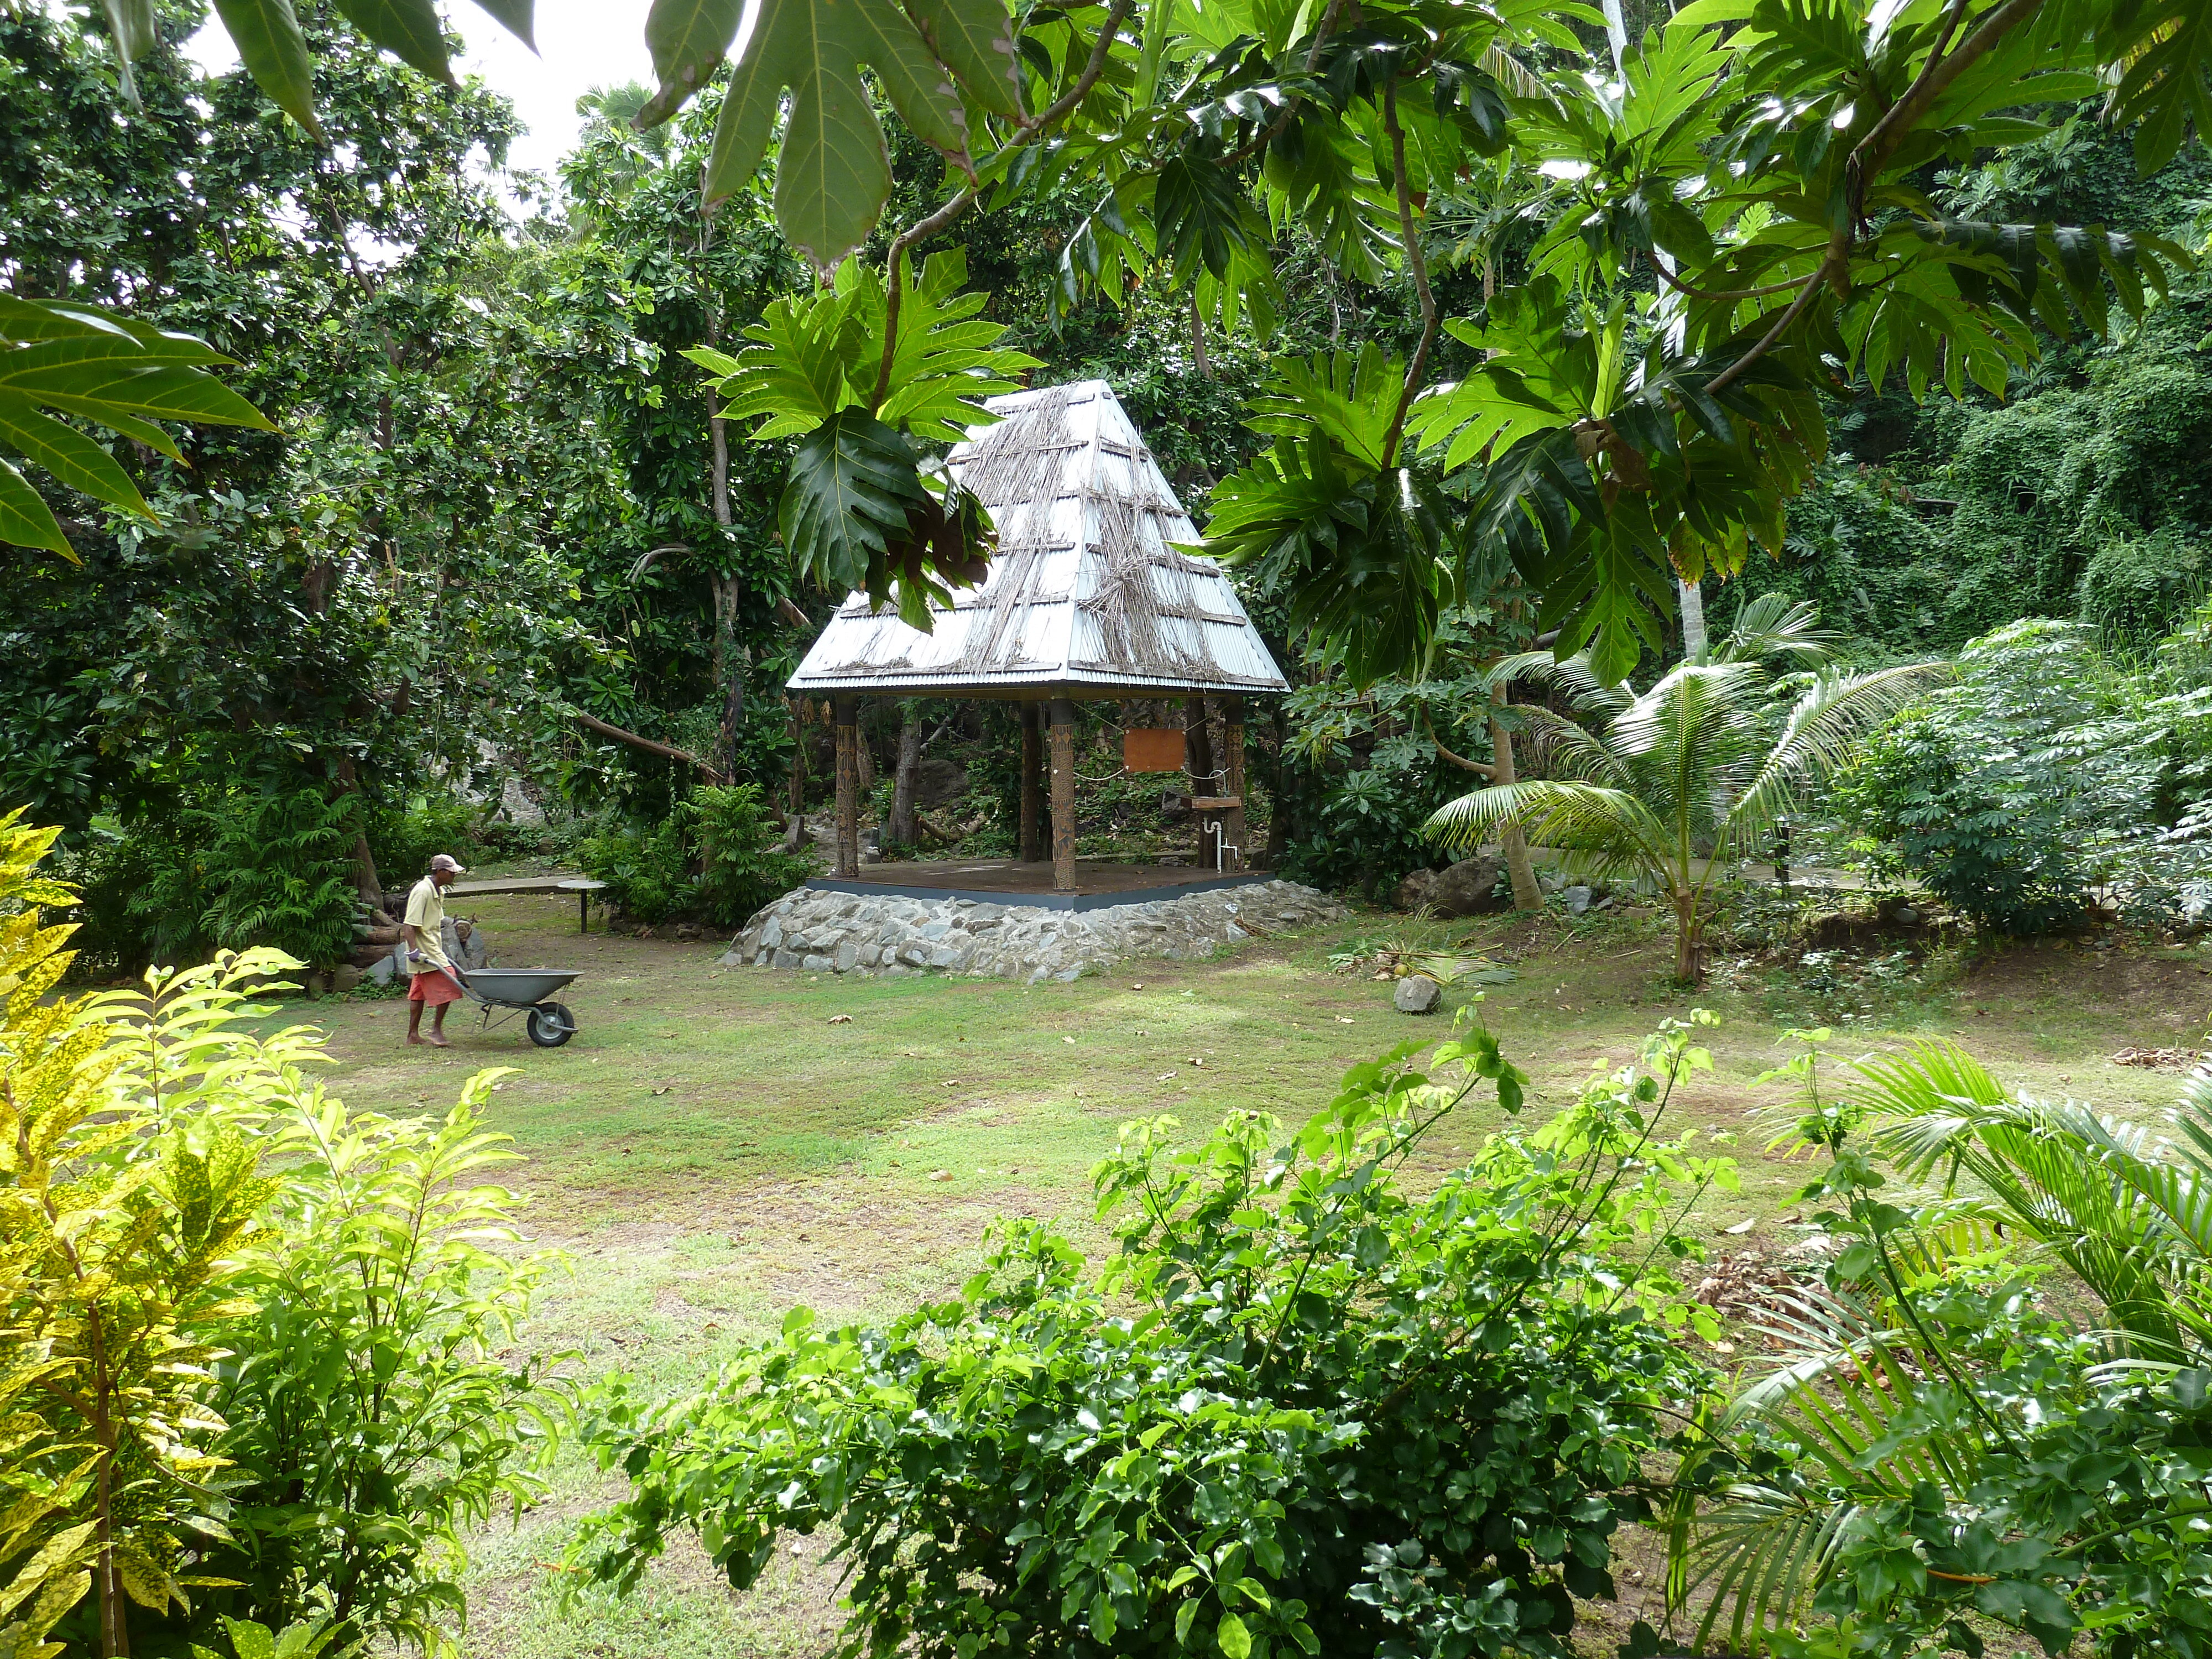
(526, 991)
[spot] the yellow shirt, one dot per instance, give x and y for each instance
(426, 914)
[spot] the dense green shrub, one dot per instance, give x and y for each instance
(1304, 1409)
(740, 866)
(1970, 1460)
(2003, 856)
(405, 835)
(2136, 588)
(2043, 770)
(370, 1422)
(712, 858)
(647, 872)
(279, 871)
(247, 1335)
(145, 894)
(1358, 827)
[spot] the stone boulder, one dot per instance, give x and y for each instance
(938, 781)
(1469, 888)
(466, 944)
(1417, 995)
(1414, 890)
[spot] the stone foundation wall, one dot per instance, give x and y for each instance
(854, 933)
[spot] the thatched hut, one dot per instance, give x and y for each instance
(1086, 599)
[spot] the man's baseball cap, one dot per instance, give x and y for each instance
(447, 861)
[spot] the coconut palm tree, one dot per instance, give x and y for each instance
(1671, 785)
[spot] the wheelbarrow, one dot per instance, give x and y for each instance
(525, 991)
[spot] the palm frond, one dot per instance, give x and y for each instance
(1773, 628)
(1822, 729)
(1571, 676)
(1577, 752)
(1611, 827)
(2097, 1193)
(2192, 1121)
(1841, 1390)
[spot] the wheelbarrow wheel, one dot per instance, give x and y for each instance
(552, 1025)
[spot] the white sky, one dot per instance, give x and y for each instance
(581, 44)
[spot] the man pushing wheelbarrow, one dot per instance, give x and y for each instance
(433, 982)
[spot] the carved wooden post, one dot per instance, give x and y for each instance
(1198, 755)
(843, 712)
(1063, 795)
(1032, 851)
(1233, 779)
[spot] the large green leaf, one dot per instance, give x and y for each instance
(515, 17)
(1349, 397)
(131, 21)
(408, 29)
(1360, 559)
(101, 368)
(25, 520)
(267, 35)
(687, 39)
(833, 173)
(74, 460)
(974, 38)
(853, 484)
(946, 360)
(2167, 48)
(810, 357)
(856, 513)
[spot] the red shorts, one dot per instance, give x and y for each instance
(433, 988)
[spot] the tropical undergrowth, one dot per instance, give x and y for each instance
(249, 1342)
(1310, 1406)
(1934, 1456)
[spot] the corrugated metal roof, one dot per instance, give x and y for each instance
(1086, 591)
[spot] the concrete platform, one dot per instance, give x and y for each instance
(1098, 885)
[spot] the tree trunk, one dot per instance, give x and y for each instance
(797, 763)
(908, 774)
(1527, 895)
(730, 662)
(1278, 808)
(731, 659)
(1198, 338)
(1687, 965)
(849, 750)
(1692, 601)
(365, 884)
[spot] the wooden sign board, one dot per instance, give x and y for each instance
(1153, 750)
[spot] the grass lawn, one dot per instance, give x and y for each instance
(717, 1145)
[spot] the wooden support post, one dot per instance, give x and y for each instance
(798, 758)
(1198, 755)
(1063, 795)
(844, 712)
(1033, 848)
(1232, 782)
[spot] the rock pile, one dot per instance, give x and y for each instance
(826, 932)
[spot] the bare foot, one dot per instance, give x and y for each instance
(439, 1042)
(417, 1038)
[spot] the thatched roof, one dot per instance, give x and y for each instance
(1086, 596)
